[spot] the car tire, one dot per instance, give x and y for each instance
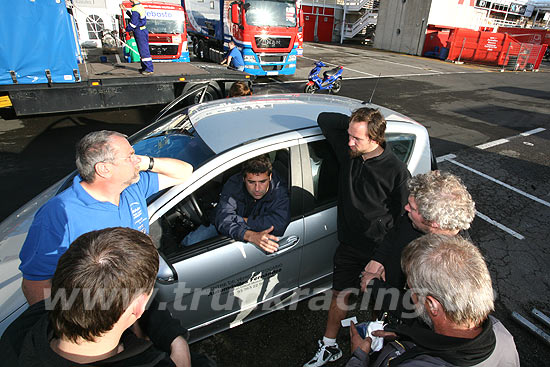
(210, 95)
(433, 161)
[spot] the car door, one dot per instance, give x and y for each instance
(217, 283)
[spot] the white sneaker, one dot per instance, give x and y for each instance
(324, 355)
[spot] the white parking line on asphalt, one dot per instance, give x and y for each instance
(534, 131)
(407, 65)
(451, 158)
(501, 226)
(328, 63)
(494, 143)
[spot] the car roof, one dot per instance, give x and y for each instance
(226, 123)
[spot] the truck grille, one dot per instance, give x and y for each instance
(163, 50)
(272, 42)
(272, 58)
(272, 67)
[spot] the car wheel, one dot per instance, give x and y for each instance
(337, 86)
(210, 95)
(433, 161)
(310, 88)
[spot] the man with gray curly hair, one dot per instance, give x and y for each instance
(438, 203)
(452, 292)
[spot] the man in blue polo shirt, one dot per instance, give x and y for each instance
(110, 191)
(234, 58)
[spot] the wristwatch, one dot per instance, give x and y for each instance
(151, 163)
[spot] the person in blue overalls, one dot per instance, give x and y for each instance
(137, 24)
(234, 59)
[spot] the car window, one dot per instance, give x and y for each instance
(189, 226)
(324, 172)
(402, 145)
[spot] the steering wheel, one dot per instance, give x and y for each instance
(198, 209)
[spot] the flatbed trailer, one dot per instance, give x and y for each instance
(118, 85)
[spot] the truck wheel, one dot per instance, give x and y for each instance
(202, 50)
(310, 88)
(196, 47)
(337, 86)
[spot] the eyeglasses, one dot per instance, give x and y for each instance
(128, 158)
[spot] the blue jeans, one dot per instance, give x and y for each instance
(199, 234)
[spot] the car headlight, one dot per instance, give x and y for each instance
(292, 58)
(249, 58)
(289, 66)
(176, 39)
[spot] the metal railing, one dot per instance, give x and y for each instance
(352, 29)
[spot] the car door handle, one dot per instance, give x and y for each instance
(285, 244)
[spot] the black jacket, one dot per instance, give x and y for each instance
(26, 342)
(235, 204)
(371, 194)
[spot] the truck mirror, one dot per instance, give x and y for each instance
(235, 13)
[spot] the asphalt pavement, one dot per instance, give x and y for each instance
(489, 128)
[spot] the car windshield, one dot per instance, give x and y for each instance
(174, 137)
(271, 13)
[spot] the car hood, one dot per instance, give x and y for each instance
(13, 231)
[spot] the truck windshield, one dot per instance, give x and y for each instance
(173, 26)
(271, 13)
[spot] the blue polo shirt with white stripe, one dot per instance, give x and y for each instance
(74, 212)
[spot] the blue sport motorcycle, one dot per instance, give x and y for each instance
(332, 79)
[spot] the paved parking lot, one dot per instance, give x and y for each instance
(464, 107)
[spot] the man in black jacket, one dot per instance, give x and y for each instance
(254, 205)
(96, 314)
(372, 192)
(452, 292)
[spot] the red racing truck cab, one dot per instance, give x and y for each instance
(167, 31)
(265, 31)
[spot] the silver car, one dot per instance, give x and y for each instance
(220, 283)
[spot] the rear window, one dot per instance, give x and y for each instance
(402, 145)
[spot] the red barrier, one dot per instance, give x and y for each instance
(493, 48)
(527, 35)
(483, 47)
(436, 37)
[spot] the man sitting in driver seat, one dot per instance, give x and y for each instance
(254, 207)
